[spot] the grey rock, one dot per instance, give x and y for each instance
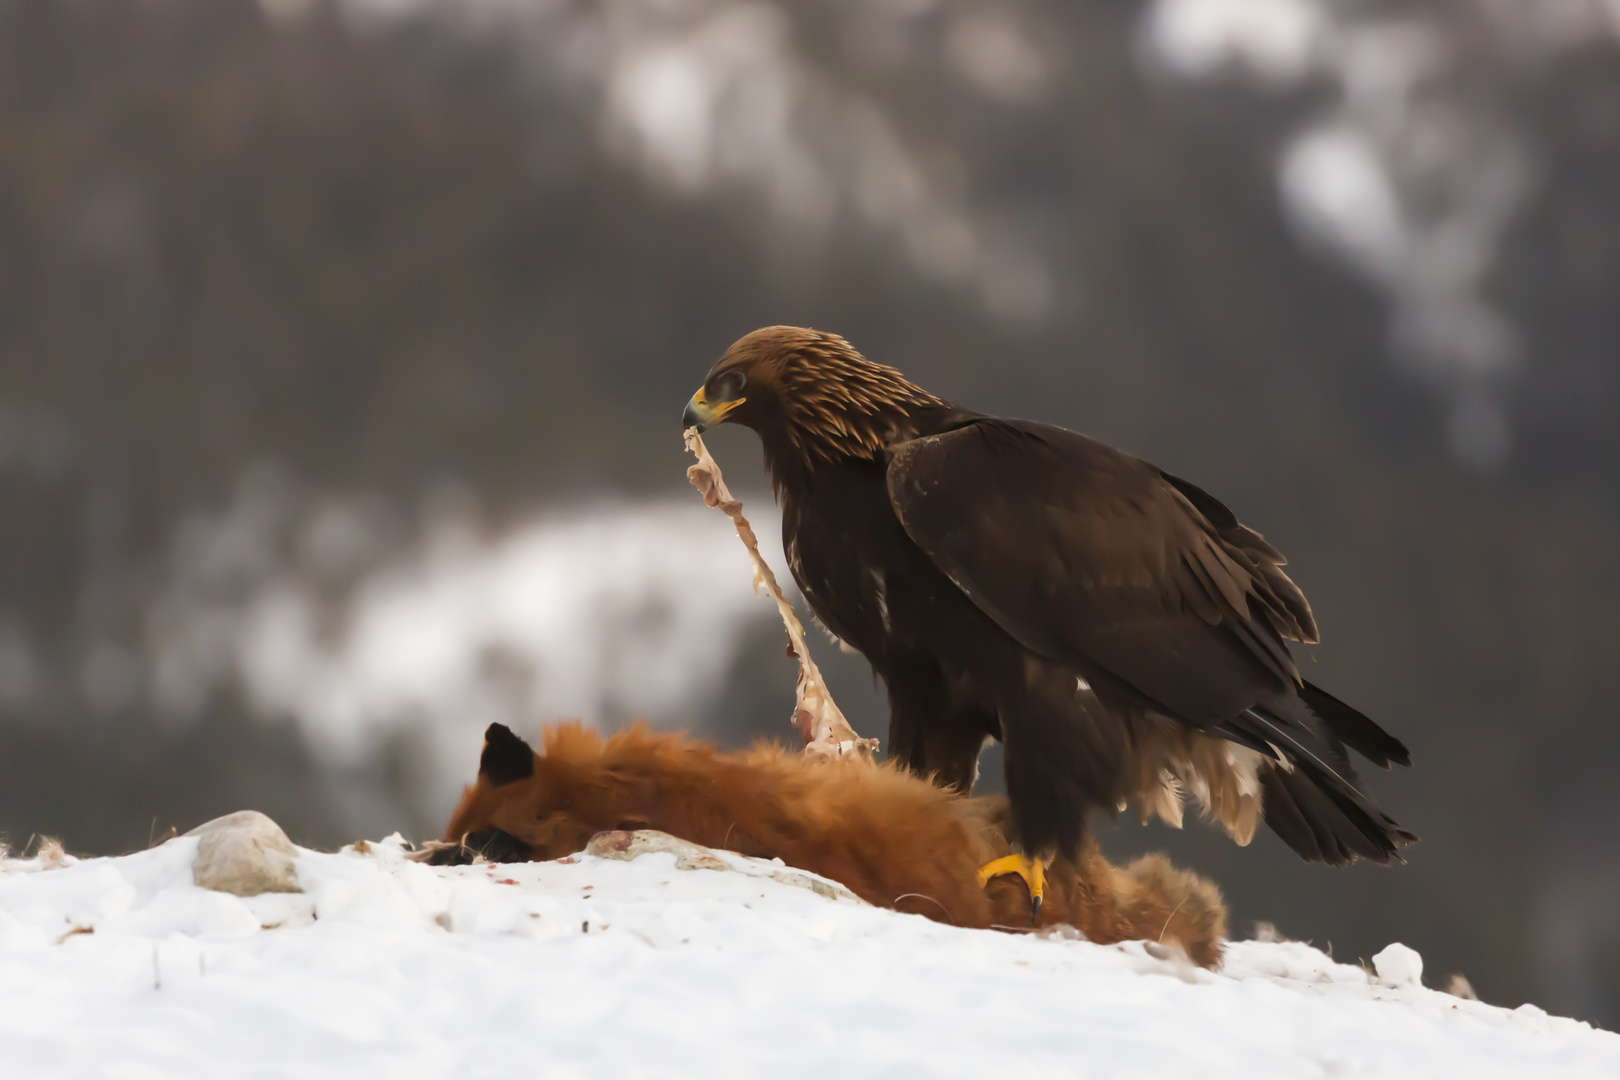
(246, 854)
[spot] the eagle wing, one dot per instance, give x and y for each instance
(1092, 557)
(1152, 590)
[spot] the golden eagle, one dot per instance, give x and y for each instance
(1114, 626)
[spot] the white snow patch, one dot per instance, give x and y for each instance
(596, 967)
(1398, 965)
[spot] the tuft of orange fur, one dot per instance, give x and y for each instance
(891, 838)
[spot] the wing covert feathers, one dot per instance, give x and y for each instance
(1287, 608)
(1059, 538)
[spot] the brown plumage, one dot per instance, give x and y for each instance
(1117, 627)
(890, 837)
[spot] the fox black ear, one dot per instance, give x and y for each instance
(506, 757)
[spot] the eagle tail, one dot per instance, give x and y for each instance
(1310, 796)
(1326, 822)
(1359, 733)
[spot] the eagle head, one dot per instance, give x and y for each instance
(809, 393)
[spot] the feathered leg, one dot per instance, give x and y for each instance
(935, 737)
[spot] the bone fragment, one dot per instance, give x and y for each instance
(827, 735)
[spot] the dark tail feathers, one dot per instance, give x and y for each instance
(1359, 733)
(1315, 802)
(1325, 822)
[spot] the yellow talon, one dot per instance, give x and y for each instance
(1033, 871)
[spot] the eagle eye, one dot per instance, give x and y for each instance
(730, 386)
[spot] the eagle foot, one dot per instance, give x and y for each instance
(1033, 871)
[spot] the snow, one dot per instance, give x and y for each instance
(597, 967)
(1398, 965)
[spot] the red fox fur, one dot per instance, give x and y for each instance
(893, 839)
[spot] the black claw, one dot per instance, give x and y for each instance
(1035, 914)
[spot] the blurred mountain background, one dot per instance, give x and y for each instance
(343, 344)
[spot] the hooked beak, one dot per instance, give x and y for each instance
(702, 415)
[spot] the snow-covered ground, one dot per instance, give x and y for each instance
(605, 968)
